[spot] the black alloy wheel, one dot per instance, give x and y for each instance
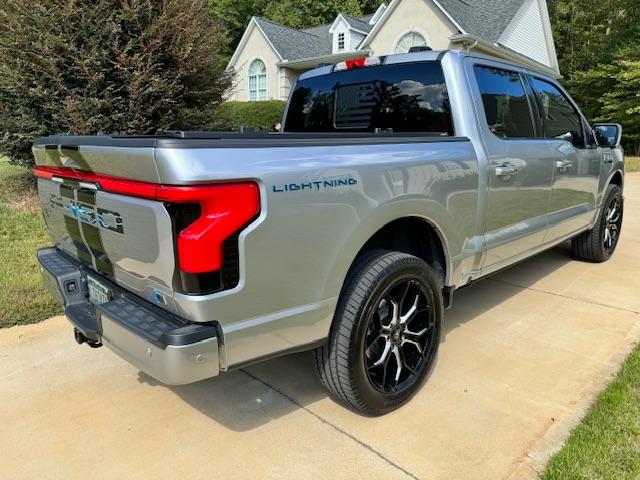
(400, 336)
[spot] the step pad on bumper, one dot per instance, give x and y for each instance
(166, 347)
(160, 330)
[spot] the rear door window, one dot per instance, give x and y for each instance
(506, 106)
(409, 97)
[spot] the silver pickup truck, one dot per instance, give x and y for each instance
(396, 181)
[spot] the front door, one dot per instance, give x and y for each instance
(577, 160)
(520, 165)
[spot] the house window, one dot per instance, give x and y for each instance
(411, 39)
(341, 41)
(257, 80)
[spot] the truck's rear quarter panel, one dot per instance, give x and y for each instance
(296, 256)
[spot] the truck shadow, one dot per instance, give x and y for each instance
(247, 399)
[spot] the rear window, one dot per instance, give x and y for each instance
(409, 97)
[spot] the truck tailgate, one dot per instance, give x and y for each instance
(127, 239)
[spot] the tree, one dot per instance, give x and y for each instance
(309, 13)
(235, 15)
(611, 93)
(598, 54)
(588, 32)
(82, 67)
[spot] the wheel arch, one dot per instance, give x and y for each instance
(617, 178)
(412, 234)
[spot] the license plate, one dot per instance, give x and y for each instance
(98, 293)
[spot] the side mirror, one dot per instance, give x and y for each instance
(608, 134)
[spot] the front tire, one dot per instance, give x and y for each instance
(385, 333)
(598, 244)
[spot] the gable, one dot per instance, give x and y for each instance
(253, 40)
(403, 16)
(526, 34)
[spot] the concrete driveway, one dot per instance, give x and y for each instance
(523, 355)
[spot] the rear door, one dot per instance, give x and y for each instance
(577, 159)
(520, 163)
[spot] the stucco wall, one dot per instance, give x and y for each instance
(287, 78)
(256, 47)
(421, 16)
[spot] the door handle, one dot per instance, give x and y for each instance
(564, 164)
(506, 170)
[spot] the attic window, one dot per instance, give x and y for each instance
(341, 41)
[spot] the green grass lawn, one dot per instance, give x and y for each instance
(23, 298)
(632, 164)
(606, 444)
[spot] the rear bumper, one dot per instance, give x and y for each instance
(164, 346)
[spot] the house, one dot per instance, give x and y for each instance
(270, 56)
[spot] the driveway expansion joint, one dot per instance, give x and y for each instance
(335, 427)
(568, 297)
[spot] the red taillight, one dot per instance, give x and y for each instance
(225, 209)
(41, 172)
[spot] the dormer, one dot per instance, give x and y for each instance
(341, 34)
(348, 32)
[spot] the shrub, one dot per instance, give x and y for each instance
(232, 115)
(83, 67)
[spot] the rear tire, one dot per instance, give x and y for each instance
(598, 244)
(385, 333)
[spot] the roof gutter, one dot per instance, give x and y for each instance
(470, 42)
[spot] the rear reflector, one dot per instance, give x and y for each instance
(357, 63)
(225, 209)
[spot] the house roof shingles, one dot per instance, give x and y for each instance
(294, 44)
(484, 19)
(361, 23)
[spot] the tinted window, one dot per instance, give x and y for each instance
(559, 119)
(505, 103)
(408, 97)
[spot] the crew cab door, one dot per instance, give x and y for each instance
(577, 159)
(519, 162)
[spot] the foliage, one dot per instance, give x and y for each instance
(80, 66)
(310, 13)
(588, 32)
(22, 231)
(232, 115)
(599, 57)
(611, 92)
(236, 14)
